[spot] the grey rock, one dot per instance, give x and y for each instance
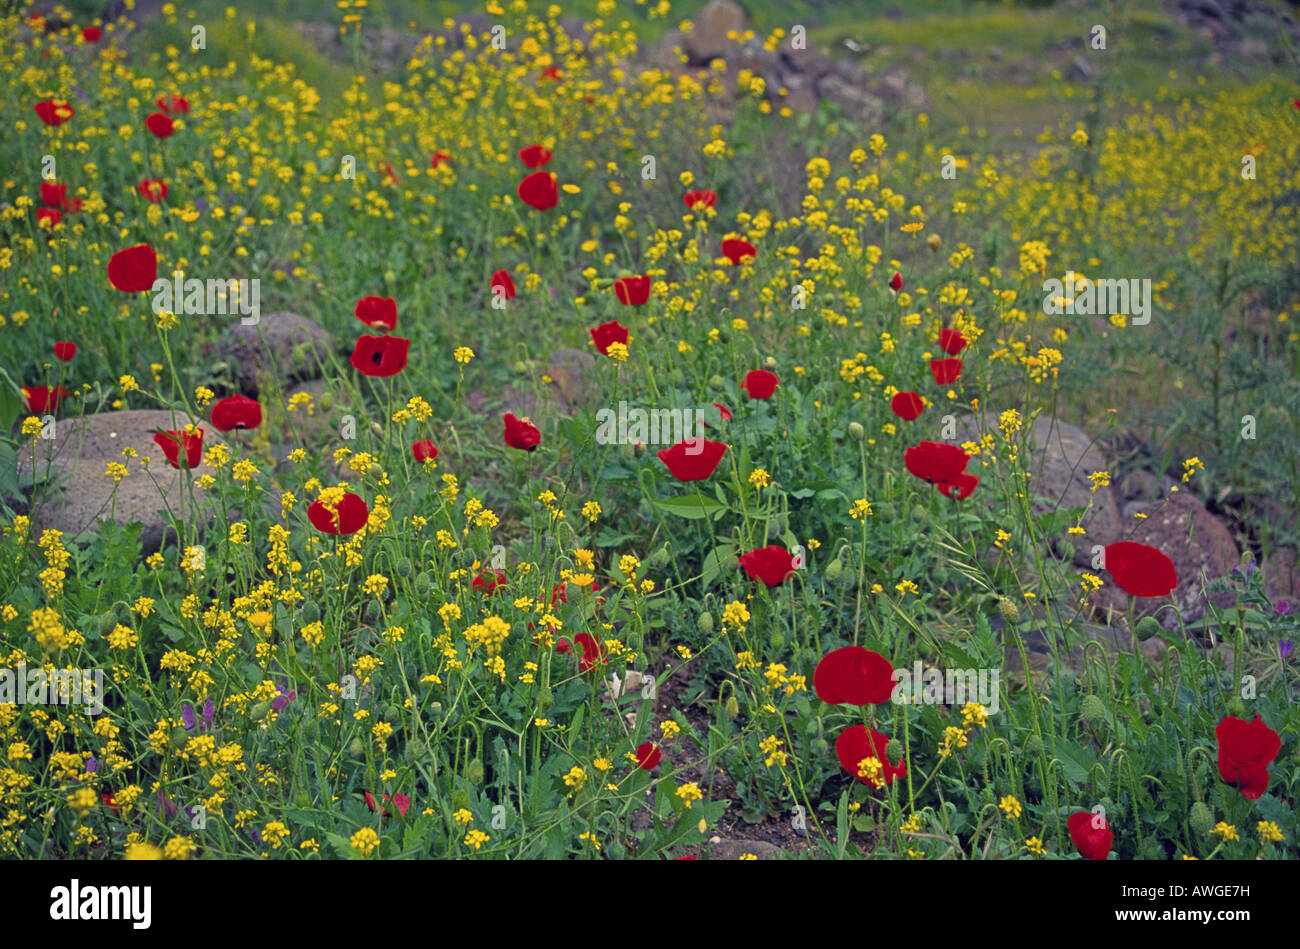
(708, 40)
(735, 849)
(74, 492)
(282, 346)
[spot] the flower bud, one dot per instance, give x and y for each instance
(1147, 627)
(1092, 711)
(423, 584)
(1034, 745)
(357, 749)
(894, 751)
(704, 622)
(377, 429)
(834, 569)
(309, 613)
(934, 242)
(715, 381)
(1010, 612)
(258, 711)
(732, 707)
(777, 639)
(326, 401)
(474, 771)
(545, 698)
(856, 431)
(1201, 818)
(107, 622)
(769, 363)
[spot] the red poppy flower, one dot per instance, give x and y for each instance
(896, 282)
(553, 73)
(1093, 842)
(502, 279)
(696, 200)
(539, 191)
(945, 370)
(110, 802)
(171, 442)
(1139, 569)
(951, 341)
(377, 312)
(53, 111)
(489, 582)
(133, 269)
(53, 195)
(535, 156)
(48, 214)
(44, 398)
(632, 291)
(381, 356)
(907, 405)
(854, 676)
(91, 34)
(440, 158)
(736, 250)
(760, 384)
(521, 433)
(236, 411)
(593, 651)
(692, 460)
(64, 351)
(1245, 749)
(174, 104)
(400, 800)
(160, 124)
(772, 564)
(936, 462)
(347, 517)
(152, 189)
(964, 483)
(387, 169)
(648, 755)
(723, 411)
(606, 334)
(1295, 103)
(424, 450)
(857, 744)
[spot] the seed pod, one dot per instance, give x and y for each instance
(856, 431)
(1092, 711)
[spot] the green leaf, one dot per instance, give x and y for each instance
(692, 508)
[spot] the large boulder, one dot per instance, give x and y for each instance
(708, 40)
(281, 347)
(74, 492)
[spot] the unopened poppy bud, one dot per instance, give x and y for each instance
(435, 711)
(732, 707)
(391, 713)
(423, 584)
(856, 431)
(545, 698)
(403, 566)
(704, 622)
(1010, 612)
(474, 771)
(659, 558)
(777, 639)
(1034, 745)
(602, 283)
(1236, 707)
(107, 622)
(934, 242)
(769, 363)
(519, 367)
(834, 569)
(390, 277)
(715, 381)
(357, 749)
(1091, 710)
(1201, 818)
(179, 737)
(1147, 627)
(894, 751)
(820, 746)
(326, 401)
(310, 728)
(309, 613)
(258, 711)
(377, 429)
